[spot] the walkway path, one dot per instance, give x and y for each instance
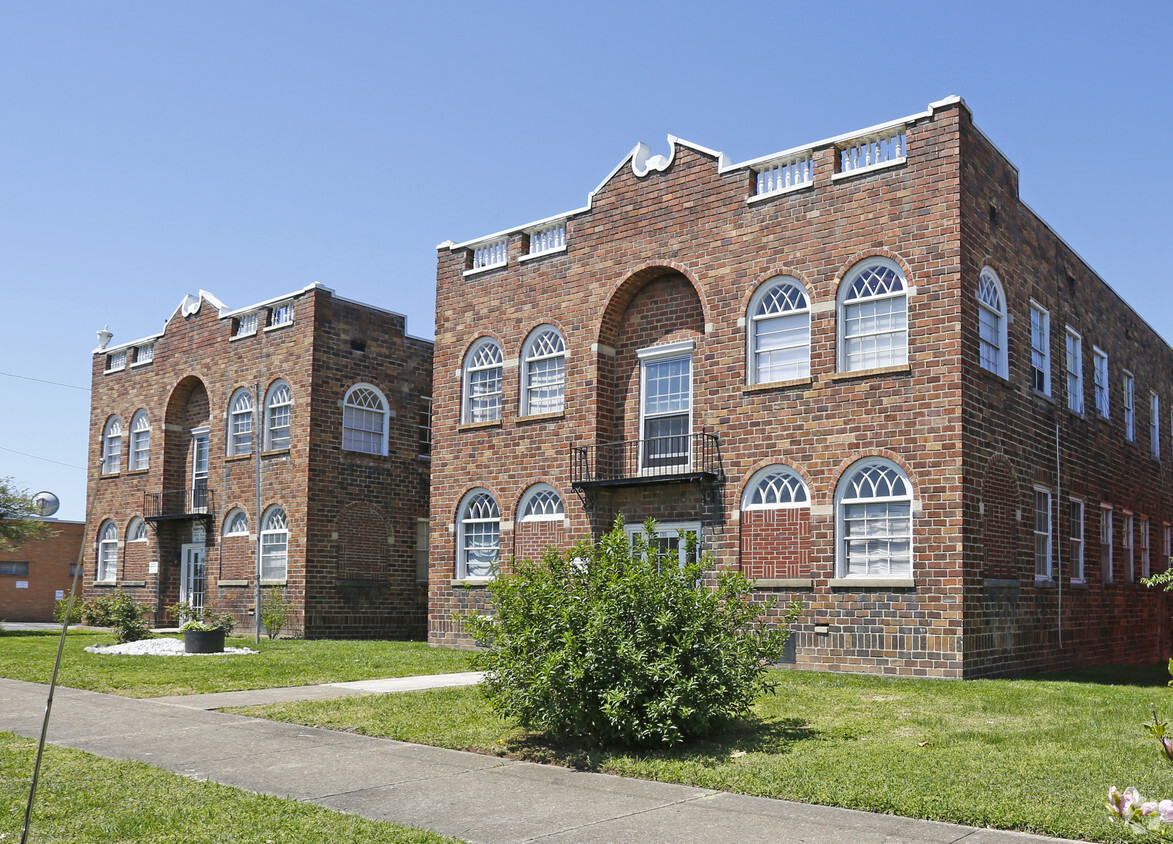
(474, 797)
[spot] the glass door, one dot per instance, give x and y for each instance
(192, 576)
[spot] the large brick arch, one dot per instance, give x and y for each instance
(187, 407)
(999, 518)
(655, 306)
(362, 542)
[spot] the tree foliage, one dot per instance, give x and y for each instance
(608, 646)
(19, 523)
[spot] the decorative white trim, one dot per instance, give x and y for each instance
(653, 352)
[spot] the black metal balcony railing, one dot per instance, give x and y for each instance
(179, 504)
(680, 457)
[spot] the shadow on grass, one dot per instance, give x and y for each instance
(748, 735)
(1156, 674)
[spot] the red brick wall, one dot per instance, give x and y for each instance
(49, 560)
(198, 365)
(776, 544)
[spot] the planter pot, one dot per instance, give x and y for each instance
(204, 641)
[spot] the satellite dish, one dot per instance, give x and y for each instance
(46, 503)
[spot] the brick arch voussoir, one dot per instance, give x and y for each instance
(874, 252)
(774, 272)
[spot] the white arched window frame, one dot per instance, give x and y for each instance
(140, 441)
(112, 446)
(778, 332)
(991, 299)
(873, 521)
(873, 316)
(478, 540)
(136, 531)
(107, 571)
(483, 368)
(365, 420)
(235, 523)
(541, 503)
(240, 422)
(543, 373)
(278, 416)
(274, 544)
(775, 487)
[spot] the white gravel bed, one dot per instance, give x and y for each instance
(158, 647)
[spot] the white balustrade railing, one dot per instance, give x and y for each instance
(550, 239)
(145, 353)
(495, 254)
(785, 174)
(873, 151)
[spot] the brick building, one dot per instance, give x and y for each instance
(331, 508)
(35, 575)
(860, 370)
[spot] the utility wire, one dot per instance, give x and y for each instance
(46, 459)
(43, 381)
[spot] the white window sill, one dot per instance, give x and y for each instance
(472, 581)
(139, 363)
(784, 583)
(223, 583)
(278, 326)
(531, 256)
(242, 336)
(762, 197)
(871, 168)
(490, 268)
(873, 582)
(275, 582)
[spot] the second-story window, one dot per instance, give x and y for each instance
(1155, 425)
(1074, 367)
(1129, 408)
(278, 416)
(1040, 349)
(425, 426)
(1101, 379)
(991, 323)
(544, 360)
(873, 317)
(140, 441)
(665, 406)
(281, 314)
(112, 446)
(364, 420)
(240, 423)
(482, 382)
(779, 332)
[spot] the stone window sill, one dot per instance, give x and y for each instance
(223, 583)
(777, 385)
(279, 582)
(476, 426)
(541, 417)
(902, 369)
(470, 582)
(784, 583)
(132, 583)
(872, 582)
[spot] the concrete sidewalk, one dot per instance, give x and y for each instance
(478, 798)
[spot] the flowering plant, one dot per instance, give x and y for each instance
(1146, 817)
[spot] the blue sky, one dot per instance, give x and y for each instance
(152, 149)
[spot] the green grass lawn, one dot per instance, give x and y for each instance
(84, 798)
(1030, 754)
(281, 662)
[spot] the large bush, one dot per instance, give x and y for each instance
(121, 612)
(605, 645)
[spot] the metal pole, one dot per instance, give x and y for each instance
(257, 462)
(28, 812)
(1059, 543)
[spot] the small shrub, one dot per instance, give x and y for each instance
(201, 618)
(120, 612)
(275, 609)
(59, 608)
(604, 645)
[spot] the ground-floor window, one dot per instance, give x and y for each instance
(873, 512)
(674, 541)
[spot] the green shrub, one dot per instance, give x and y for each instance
(59, 611)
(121, 612)
(275, 609)
(201, 618)
(604, 645)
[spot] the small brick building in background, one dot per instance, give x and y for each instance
(336, 395)
(35, 575)
(861, 370)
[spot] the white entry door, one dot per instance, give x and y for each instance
(191, 576)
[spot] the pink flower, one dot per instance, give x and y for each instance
(1165, 807)
(1123, 805)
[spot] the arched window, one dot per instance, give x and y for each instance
(543, 372)
(873, 509)
(541, 503)
(112, 446)
(278, 415)
(240, 423)
(236, 523)
(478, 543)
(778, 329)
(140, 441)
(873, 317)
(482, 382)
(274, 545)
(364, 420)
(107, 553)
(775, 487)
(991, 323)
(136, 531)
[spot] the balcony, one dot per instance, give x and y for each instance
(671, 459)
(198, 503)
